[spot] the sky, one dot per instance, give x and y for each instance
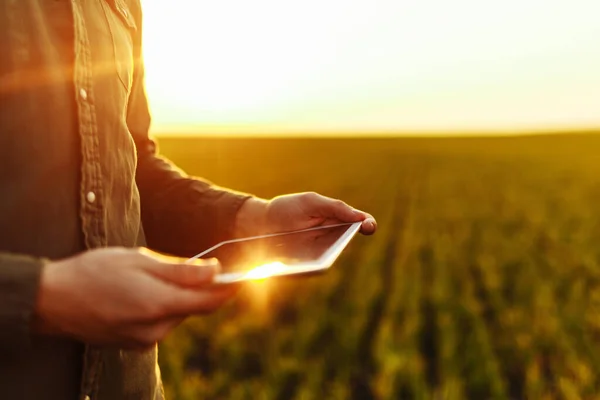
(360, 66)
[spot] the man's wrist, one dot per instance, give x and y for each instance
(42, 320)
(251, 218)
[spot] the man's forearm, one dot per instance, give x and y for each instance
(183, 216)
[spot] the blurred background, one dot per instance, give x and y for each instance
(467, 128)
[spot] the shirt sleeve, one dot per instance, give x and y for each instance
(19, 285)
(181, 215)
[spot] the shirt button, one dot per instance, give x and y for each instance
(91, 197)
(83, 94)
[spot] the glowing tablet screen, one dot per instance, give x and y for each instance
(264, 256)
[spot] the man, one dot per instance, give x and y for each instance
(82, 189)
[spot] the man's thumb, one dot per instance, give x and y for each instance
(197, 273)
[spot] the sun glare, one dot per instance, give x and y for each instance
(347, 65)
(266, 271)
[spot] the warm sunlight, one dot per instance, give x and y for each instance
(372, 65)
(266, 270)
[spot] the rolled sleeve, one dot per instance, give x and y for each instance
(190, 218)
(19, 285)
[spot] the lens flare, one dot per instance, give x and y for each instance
(266, 270)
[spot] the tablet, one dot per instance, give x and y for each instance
(301, 252)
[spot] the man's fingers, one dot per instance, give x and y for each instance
(187, 275)
(369, 225)
(189, 302)
(332, 208)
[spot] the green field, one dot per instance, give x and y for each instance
(483, 281)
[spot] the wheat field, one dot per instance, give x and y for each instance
(483, 281)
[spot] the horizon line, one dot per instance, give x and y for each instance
(377, 134)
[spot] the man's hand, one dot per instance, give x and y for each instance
(124, 297)
(298, 211)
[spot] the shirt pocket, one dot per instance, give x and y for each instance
(122, 29)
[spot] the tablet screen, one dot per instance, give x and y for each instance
(282, 250)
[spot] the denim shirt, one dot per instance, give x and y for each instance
(78, 171)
